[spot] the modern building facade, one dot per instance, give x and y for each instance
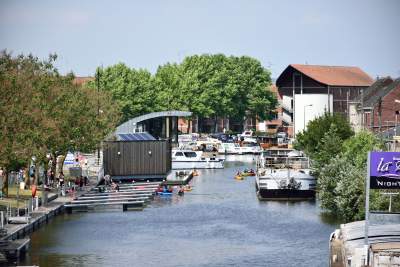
(161, 125)
(308, 91)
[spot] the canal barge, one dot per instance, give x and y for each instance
(284, 174)
(188, 159)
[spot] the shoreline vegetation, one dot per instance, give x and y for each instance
(45, 114)
(339, 159)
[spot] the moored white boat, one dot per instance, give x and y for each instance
(230, 148)
(250, 146)
(284, 176)
(188, 159)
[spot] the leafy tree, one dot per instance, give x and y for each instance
(132, 90)
(210, 86)
(310, 140)
(329, 146)
(43, 112)
(341, 182)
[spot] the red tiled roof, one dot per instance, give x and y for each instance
(82, 80)
(335, 75)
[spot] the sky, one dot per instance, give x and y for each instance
(149, 33)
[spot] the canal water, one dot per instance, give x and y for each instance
(220, 223)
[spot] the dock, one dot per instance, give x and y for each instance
(133, 196)
(182, 177)
(347, 246)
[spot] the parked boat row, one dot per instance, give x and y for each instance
(189, 159)
(243, 145)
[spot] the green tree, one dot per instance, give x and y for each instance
(132, 90)
(310, 140)
(210, 86)
(43, 112)
(329, 146)
(341, 182)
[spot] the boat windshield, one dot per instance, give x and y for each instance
(286, 162)
(250, 144)
(190, 154)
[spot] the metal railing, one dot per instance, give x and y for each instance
(288, 163)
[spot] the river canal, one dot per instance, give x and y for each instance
(220, 223)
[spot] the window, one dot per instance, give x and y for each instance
(178, 154)
(190, 154)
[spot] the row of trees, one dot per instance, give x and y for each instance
(43, 113)
(339, 160)
(210, 86)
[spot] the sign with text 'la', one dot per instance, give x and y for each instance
(385, 170)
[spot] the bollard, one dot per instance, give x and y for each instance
(36, 203)
(2, 219)
(30, 206)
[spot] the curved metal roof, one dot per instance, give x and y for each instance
(129, 126)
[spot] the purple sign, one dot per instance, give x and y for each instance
(385, 170)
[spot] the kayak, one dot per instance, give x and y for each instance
(248, 174)
(164, 193)
(188, 189)
(239, 177)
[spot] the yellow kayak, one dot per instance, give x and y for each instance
(238, 177)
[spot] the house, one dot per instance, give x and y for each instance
(377, 107)
(275, 125)
(82, 80)
(308, 91)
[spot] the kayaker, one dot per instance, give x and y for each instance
(181, 191)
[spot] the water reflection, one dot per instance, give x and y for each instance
(219, 223)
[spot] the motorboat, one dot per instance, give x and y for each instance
(250, 146)
(230, 149)
(284, 175)
(188, 159)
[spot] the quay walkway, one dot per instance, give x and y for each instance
(14, 242)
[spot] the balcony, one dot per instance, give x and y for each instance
(286, 118)
(286, 107)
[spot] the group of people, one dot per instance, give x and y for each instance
(108, 182)
(169, 189)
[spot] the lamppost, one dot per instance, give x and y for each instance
(98, 107)
(304, 117)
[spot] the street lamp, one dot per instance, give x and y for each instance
(304, 117)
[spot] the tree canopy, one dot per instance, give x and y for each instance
(208, 85)
(43, 112)
(339, 160)
(310, 140)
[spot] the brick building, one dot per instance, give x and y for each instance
(308, 91)
(376, 108)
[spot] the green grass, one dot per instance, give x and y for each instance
(24, 193)
(13, 201)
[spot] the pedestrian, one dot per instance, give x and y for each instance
(77, 182)
(61, 179)
(61, 183)
(81, 182)
(86, 180)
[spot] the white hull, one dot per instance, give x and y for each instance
(211, 164)
(271, 179)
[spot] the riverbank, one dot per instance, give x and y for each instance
(221, 218)
(14, 242)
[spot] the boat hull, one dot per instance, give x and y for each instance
(285, 194)
(185, 165)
